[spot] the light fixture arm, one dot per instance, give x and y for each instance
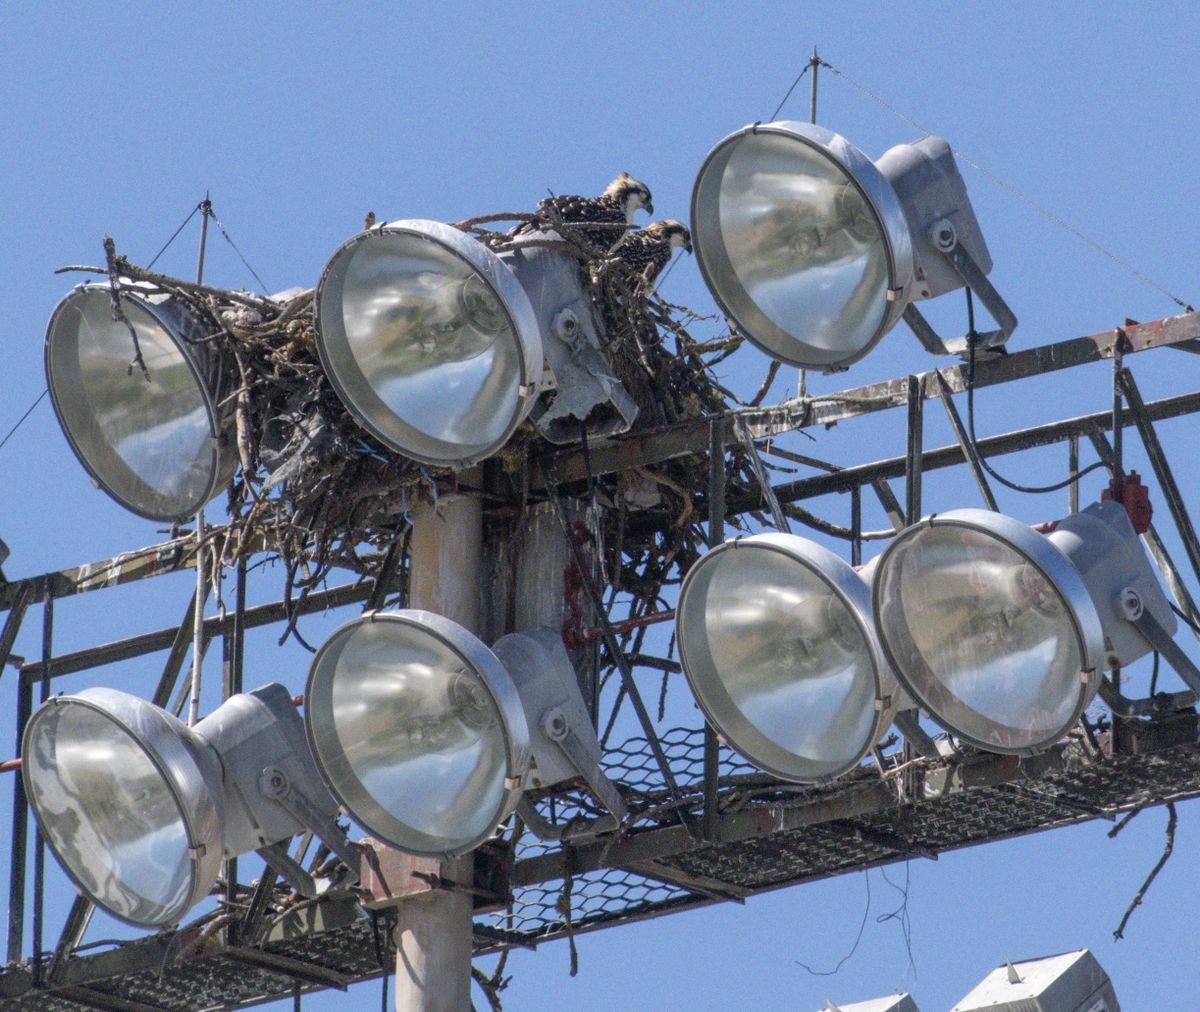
(1132, 608)
(945, 239)
(277, 786)
(907, 723)
(277, 857)
(1161, 640)
(559, 730)
(564, 743)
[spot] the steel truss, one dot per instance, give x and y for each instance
(723, 831)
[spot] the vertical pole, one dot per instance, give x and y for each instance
(20, 826)
(39, 845)
(198, 615)
(915, 457)
(856, 526)
(1073, 468)
(716, 534)
(813, 64)
(205, 211)
(232, 644)
(197, 625)
(433, 930)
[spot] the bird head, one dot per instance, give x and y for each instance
(631, 194)
(673, 233)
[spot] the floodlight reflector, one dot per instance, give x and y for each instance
(777, 642)
(153, 440)
(802, 242)
(418, 730)
(989, 626)
(129, 801)
(429, 340)
(140, 809)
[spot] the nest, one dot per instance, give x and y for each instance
(318, 492)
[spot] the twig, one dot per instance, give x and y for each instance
(1167, 848)
(118, 314)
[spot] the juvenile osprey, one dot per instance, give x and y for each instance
(648, 250)
(617, 205)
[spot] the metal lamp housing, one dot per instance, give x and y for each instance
(990, 628)
(814, 252)
(779, 647)
(140, 809)
(418, 730)
(155, 440)
(429, 340)
(1102, 545)
(580, 390)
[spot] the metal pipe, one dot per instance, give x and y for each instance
(629, 624)
(20, 825)
(433, 930)
(913, 459)
(716, 535)
(39, 844)
(814, 64)
(198, 622)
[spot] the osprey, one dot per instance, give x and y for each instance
(616, 206)
(649, 250)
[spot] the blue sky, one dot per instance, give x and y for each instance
(299, 118)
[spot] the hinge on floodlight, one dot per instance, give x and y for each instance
(946, 240)
(1130, 605)
(558, 729)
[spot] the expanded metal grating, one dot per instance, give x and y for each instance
(782, 835)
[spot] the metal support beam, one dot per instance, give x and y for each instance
(297, 969)
(1162, 470)
(964, 441)
(148, 643)
(20, 832)
(916, 446)
(716, 535)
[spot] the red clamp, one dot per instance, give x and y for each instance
(1129, 491)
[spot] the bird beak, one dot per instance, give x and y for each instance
(688, 246)
(649, 208)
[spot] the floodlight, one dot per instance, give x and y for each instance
(154, 440)
(1001, 633)
(140, 809)
(428, 738)
(814, 252)
(1071, 982)
(429, 340)
(778, 644)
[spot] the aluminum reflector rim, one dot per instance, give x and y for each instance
(777, 644)
(802, 242)
(131, 812)
(990, 629)
(418, 731)
(429, 340)
(152, 440)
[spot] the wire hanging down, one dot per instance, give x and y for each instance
(1030, 489)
